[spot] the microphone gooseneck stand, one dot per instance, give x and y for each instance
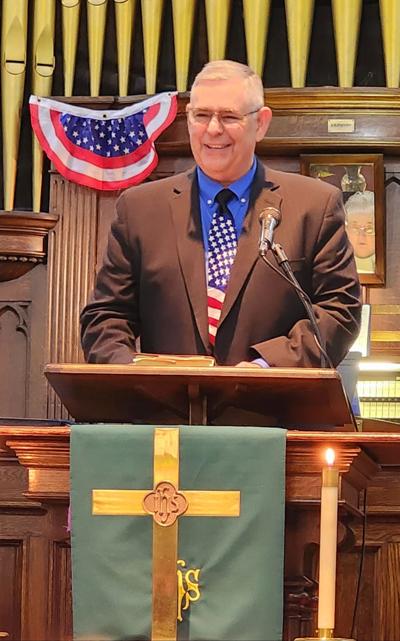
(288, 275)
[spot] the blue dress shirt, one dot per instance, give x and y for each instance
(238, 206)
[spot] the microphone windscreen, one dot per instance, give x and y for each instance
(268, 213)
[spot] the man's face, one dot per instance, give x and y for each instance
(225, 152)
(361, 233)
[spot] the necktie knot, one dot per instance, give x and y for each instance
(223, 198)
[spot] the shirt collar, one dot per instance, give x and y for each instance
(209, 188)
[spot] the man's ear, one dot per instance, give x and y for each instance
(264, 118)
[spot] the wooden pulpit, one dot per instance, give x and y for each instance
(35, 599)
(284, 397)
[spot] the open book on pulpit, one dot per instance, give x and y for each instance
(173, 390)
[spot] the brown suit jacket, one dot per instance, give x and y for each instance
(153, 282)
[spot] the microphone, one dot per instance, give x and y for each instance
(269, 220)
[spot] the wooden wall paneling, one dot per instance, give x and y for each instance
(106, 214)
(14, 349)
(380, 500)
(71, 266)
(388, 586)
(35, 586)
(300, 587)
(13, 481)
(60, 591)
(48, 585)
(386, 317)
(348, 564)
(35, 574)
(22, 337)
(37, 386)
(19, 519)
(35, 592)
(378, 614)
(10, 586)
(300, 122)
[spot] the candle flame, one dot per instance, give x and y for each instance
(330, 456)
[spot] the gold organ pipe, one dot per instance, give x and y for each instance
(217, 17)
(96, 19)
(390, 21)
(70, 28)
(346, 24)
(13, 67)
(299, 18)
(183, 16)
(42, 78)
(124, 17)
(152, 11)
(256, 19)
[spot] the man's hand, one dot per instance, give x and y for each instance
(249, 364)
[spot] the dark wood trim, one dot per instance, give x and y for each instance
(23, 242)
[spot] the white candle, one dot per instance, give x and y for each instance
(328, 543)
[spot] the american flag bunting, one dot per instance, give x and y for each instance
(105, 150)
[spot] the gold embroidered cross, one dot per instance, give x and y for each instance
(165, 503)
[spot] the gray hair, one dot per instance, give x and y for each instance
(228, 69)
(362, 202)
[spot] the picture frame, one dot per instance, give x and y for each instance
(360, 177)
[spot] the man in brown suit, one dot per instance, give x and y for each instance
(156, 273)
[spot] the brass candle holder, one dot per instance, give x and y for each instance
(323, 634)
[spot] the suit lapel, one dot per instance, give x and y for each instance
(184, 205)
(263, 194)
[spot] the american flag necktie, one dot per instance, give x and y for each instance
(222, 245)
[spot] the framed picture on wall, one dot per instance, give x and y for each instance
(360, 177)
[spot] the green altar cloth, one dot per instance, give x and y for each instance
(240, 559)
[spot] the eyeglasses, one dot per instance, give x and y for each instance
(369, 230)
(225, 118)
